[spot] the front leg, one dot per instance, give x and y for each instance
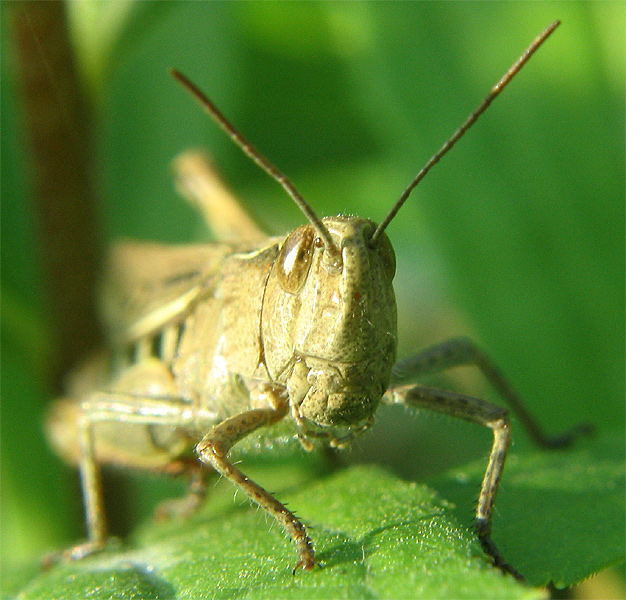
(462, 351)
(213, 450)
(483, 413)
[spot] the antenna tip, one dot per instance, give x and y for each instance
(550, 28)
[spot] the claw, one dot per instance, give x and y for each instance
(569, 437)
(306, 564)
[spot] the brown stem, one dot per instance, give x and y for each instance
(60, 137)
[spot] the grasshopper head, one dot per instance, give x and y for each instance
(329, 321)
(328, 325)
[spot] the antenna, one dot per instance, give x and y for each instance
(257, 157)
(482, 107)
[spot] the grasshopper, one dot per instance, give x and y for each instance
(210, 343)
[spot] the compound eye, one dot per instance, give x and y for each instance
(294, 259)
(385, 251)
(388, 256)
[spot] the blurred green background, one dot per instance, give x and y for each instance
(516, 238)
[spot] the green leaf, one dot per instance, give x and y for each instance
(95, 27)
(376, 537)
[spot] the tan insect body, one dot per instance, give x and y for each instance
(212, 342)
